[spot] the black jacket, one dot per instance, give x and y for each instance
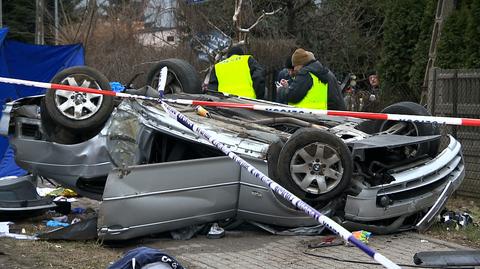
(299, 87)
(256, 72)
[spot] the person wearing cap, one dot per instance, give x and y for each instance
(314, 86)
(239, 75)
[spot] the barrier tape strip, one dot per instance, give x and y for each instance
(270, 108)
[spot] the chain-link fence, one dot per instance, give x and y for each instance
(456, 93)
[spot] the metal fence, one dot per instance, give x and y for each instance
(456, 93)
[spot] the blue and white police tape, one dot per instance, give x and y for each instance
(322, 219)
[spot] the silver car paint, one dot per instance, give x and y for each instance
(161, 197)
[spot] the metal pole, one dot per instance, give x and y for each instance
(434, 91)
(455, 100)
(39, 22)
(56, 22)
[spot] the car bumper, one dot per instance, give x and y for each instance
(414, 190)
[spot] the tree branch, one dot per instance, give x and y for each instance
(259, 20)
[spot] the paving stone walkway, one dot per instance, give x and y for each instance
(255, 249)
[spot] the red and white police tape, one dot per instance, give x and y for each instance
(271, 108)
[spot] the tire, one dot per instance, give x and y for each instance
(272, 159)
(182, 77)
(412, 128)
(339, 164)
(94, 109)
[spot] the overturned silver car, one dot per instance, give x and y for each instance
(154, 175)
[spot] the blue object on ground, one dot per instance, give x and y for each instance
(142, 256)
(54, 223)
(117, 86)
(78, 210)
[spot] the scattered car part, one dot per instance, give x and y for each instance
(82, 230)
(448, 259)
(19, 198)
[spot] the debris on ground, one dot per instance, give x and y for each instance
(450, 259)
(328, 241)
(60, 191)
(362, 235)
(78, 210)
(455, 219)
(54, 223)
(5, 232)
(300, 231)
(215, 232)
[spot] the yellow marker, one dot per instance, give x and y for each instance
(202, 112)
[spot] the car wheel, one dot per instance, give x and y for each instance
(76, 111)
(315, 165)
(410, 128)
(181, 77)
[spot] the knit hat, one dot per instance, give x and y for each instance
(302, 57)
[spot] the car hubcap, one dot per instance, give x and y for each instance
(78, 105)
(316, 168)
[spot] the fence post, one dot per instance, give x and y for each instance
(455, 100)
(434, 90)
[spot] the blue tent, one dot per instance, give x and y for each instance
(30, 62)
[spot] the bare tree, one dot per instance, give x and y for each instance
(112, 37)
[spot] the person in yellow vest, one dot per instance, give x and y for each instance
(239, 75)
(314, 86)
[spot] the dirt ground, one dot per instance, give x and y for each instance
(26, 254)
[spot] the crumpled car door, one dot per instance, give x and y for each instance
(153, 198)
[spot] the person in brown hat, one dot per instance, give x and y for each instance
(314, 86)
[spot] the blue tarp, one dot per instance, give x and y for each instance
(30, 62)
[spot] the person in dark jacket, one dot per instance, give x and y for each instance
(239, 75)
(285, 76)
(287, 72)
(314, 86)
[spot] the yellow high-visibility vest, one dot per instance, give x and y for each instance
(316, 97)
(234, 77)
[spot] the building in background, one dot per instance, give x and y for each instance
(160, 27)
